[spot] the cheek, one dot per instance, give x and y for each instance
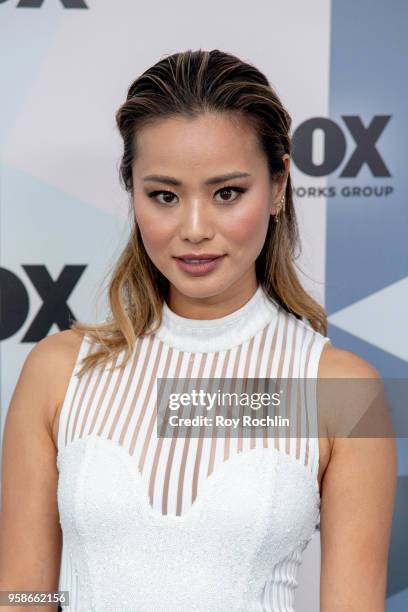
(248, 225)
(154, 232)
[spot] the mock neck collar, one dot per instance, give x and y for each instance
(209, 335)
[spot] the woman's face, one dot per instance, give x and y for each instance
(189, 199)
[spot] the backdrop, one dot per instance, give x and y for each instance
(338, 66)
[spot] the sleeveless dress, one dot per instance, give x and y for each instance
(176, 524)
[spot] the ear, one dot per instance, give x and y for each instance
(279, 187)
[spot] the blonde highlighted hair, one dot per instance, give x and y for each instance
(187, 84)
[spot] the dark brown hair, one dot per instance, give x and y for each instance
(187, 84)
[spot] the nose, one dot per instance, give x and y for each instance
(195, 221)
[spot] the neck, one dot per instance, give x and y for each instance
(209, 333)
(212, 307)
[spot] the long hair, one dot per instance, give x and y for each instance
(187, 84)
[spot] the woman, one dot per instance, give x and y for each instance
(212, 521)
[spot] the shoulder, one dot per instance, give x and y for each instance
(40, 385)
(340, 363)
(335, 362)
(352, 401)
(349, 389)
(54, 351)
(49, 365)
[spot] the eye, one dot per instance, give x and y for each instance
(228, 189)
(169, 195)
(166, 194)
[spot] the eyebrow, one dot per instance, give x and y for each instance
(169, 180)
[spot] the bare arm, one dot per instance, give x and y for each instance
(30, 534)
(358, 493)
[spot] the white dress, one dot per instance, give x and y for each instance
(176, 524)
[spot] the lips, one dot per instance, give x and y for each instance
(199, 265)
(199, 260)
(195, 257)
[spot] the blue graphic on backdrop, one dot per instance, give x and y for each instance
(366, 249)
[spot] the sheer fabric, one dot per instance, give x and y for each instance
(116, 472)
